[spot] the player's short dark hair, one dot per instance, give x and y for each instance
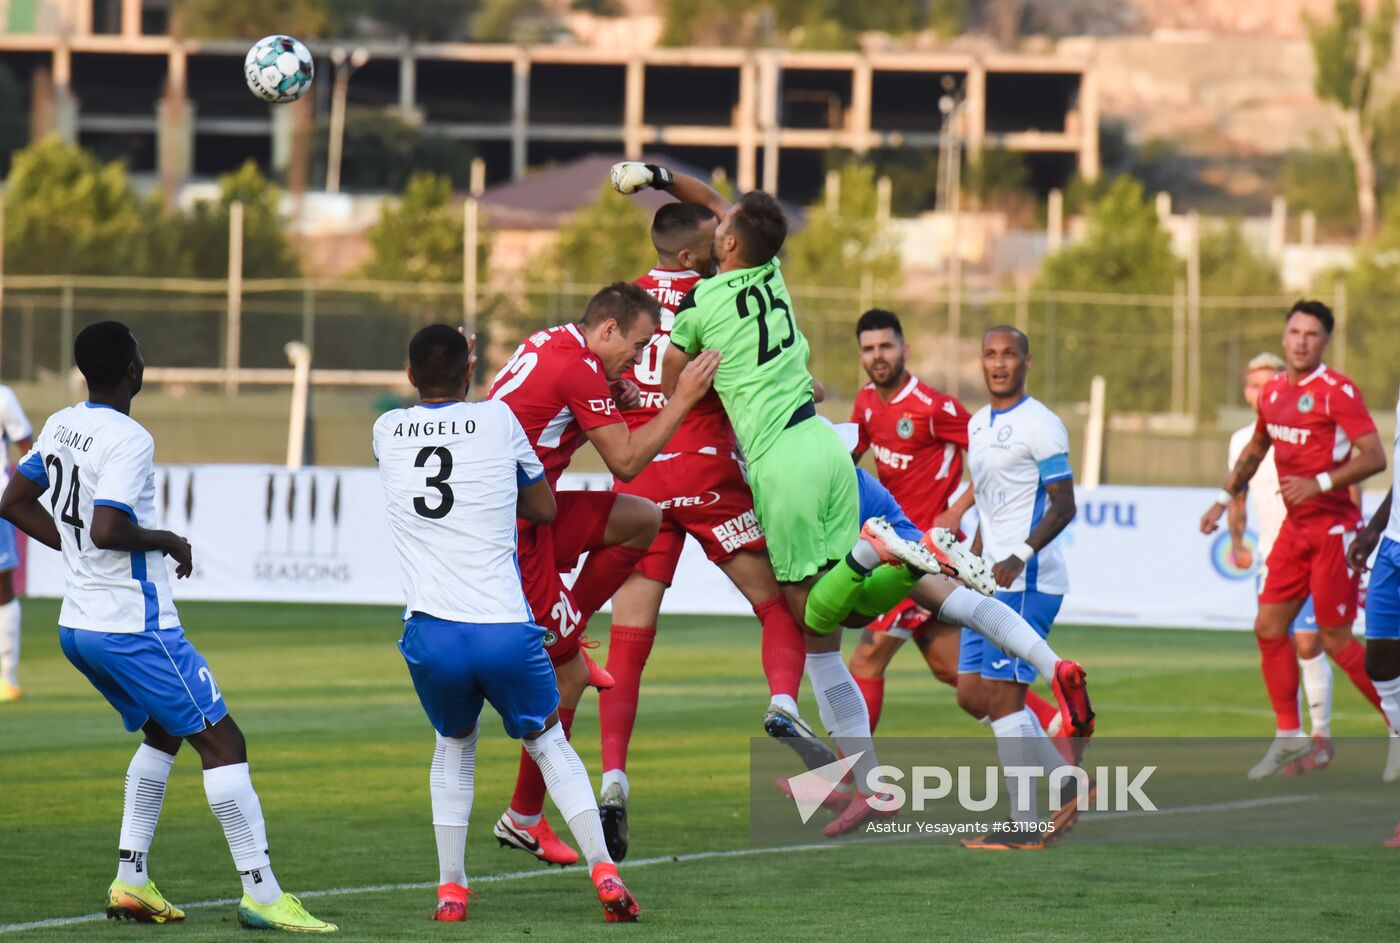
(761, 226)
(622, 302)
(675, 225)
(1315, 308)
(1022, 341)
(103, 352)
(439, 356)
(878, 319)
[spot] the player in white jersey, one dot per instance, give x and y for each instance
(119, 627)
(1018, 454)
(1383, 612)
(455, 477)
(14, 430)
(1262, 498)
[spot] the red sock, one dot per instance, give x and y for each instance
(1279, 662)
(784, 650)
(1044, 711)
(603, 574)
(873, 690)
(529, 781)
(628, 648)
(1352, 660)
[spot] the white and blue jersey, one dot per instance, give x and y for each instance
(91, 456)
(1383, 591)
(452, 474)
(1013, 455)
(118, 623)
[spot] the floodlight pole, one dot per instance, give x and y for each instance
(233, 328)
(345, 64)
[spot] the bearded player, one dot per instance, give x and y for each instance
(919, 437)
(1323, 441)
(560, 384)
(804, 485)
(1269, 510)
(698, 483)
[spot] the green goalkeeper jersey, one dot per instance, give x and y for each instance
(746, 315)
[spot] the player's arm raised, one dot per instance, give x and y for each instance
(1367, 459)
(626, 454)
(629, 176)
(1239, 477)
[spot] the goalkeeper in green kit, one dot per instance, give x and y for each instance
(803, 481)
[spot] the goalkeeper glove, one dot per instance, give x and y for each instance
(630, 176)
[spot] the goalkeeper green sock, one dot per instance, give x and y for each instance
(884, 589)
(834, 596)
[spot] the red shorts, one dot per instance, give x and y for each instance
(1309, 557)
(547, 550)
(902, 620)
(704, 496)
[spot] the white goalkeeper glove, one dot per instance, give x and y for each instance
(629, 176)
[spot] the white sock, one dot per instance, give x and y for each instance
(1001, 625)
(1317, 686)
(235, 804)
(843, 712)
(1390, 703)
(9, 642)
(141, 802)
(450, 782)
(865, 555)
(1016, 747)
(568, 785)
(615, 777)
(786, 702)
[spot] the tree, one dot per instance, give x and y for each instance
(1233, 331)
(69, 214)
(1125, 250)
(421, 20)
(267, 252)
(1351, 50)
(419, 239)
(251, 19)
(383, 151)
(842, 260)
(1323, 181)
(606, 240)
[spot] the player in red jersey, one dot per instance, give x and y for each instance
(918, 436)
(561, 384)
(1324, 441)
(699, 485)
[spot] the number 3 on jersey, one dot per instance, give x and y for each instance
(758, 302)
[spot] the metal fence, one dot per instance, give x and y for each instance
(1159, 353)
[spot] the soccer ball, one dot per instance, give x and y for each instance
(279, 69)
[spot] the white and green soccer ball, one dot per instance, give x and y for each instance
(279, 69)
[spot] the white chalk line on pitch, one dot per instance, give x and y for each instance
(648, 862)
(424, 885)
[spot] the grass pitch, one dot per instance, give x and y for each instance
(340, 751)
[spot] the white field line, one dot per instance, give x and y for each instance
(1189, 809)
(424, 885)
(648, 862)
